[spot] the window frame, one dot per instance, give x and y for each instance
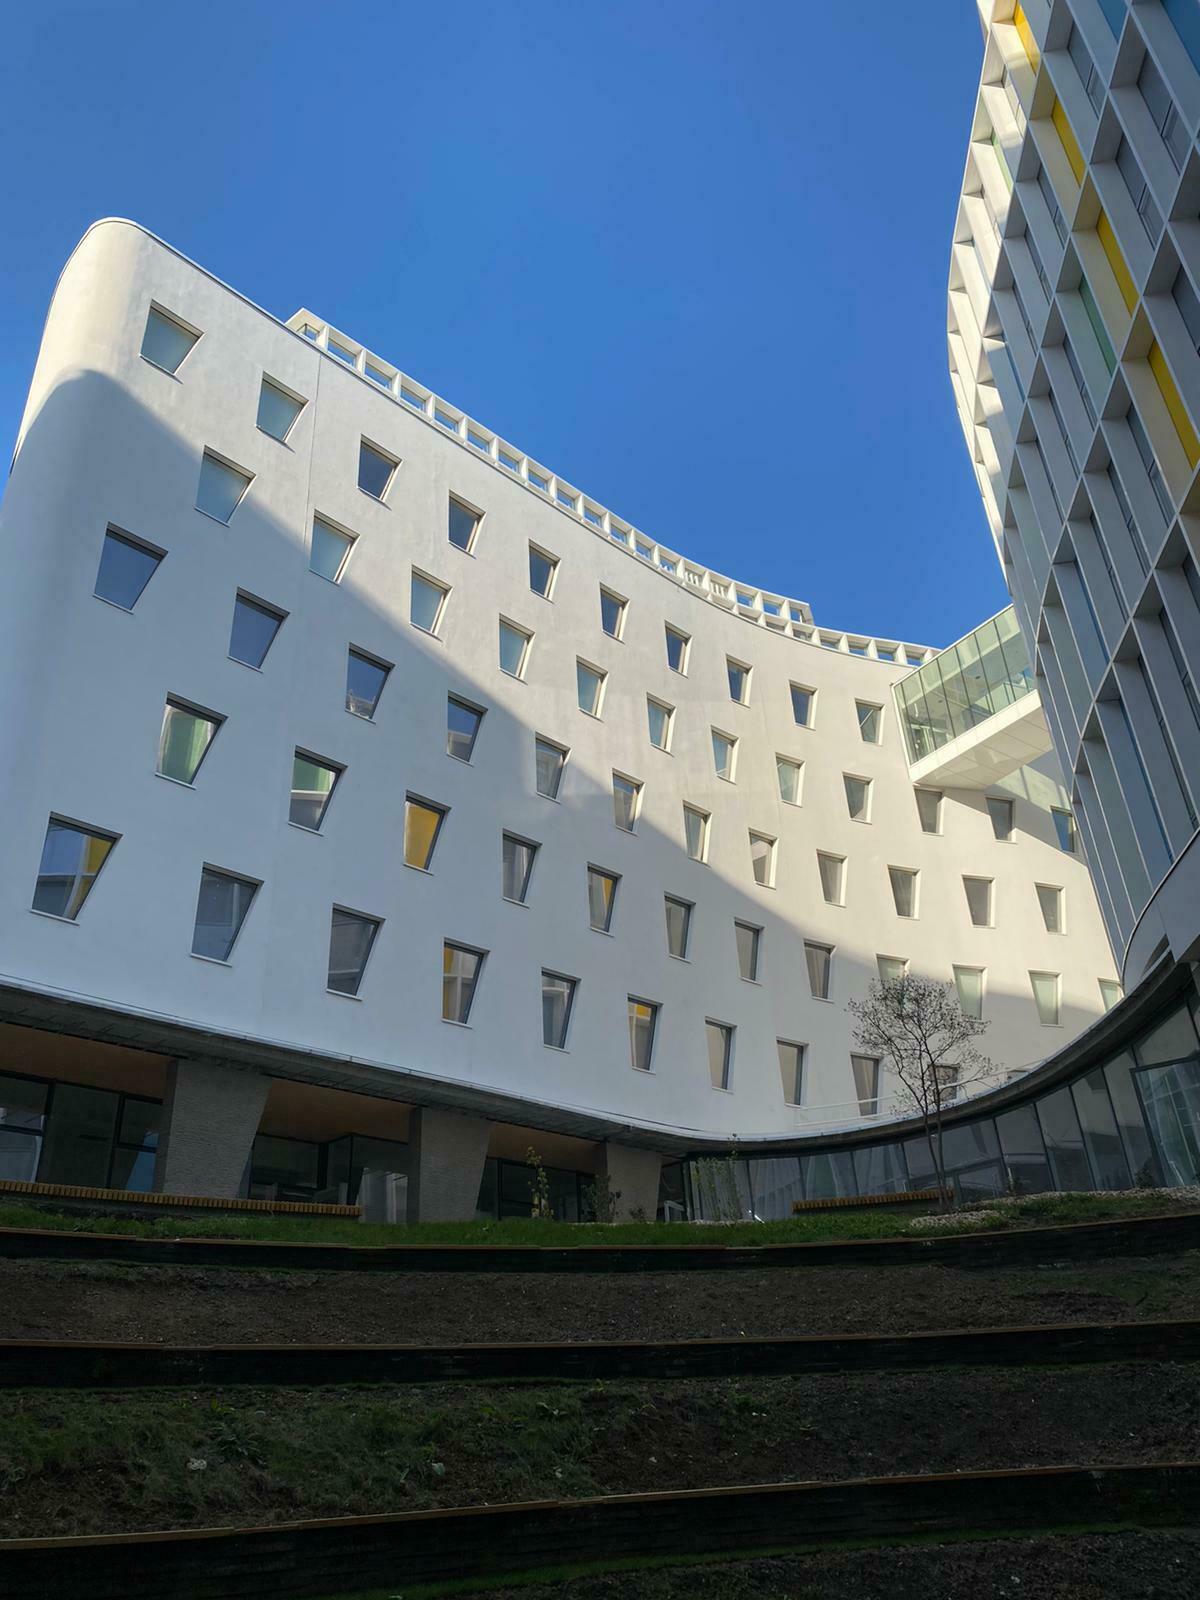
(298, 400)
(971, 877)
(91, 832)
(466, 950)
(798, 767)
(731, 740)
(601, 674)
(615, 879)
(992, 801)
(230, 466)
(827, 950)
(637, 786)
(754, 929)
(685, 648)
(533, 846)
(747, 671)
(799, 1084)
(772, 843)
(869, 705)
(479, 712)
(913, 874)
(386, 667)
(393, 462)
(351, 540)
(553, 561)
(424, 803)
(467, 549)
(728, 1031)
(669, 723)
(255, 604)
(931, 833)
(1057, 976)
(336, 767)
(184, 327)
(807, 689)
(705, 826)
(1060, 901)
(868, 791)
(376, 924)
(688, 907)
(419, 574)
(253, 884)
(564, 751)
(654, 1007)
(134, 542)
(195, 710)
(569, 1013)
(828, 855)
(525, 635)
(622, 605)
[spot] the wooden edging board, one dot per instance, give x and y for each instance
(345, 1554)
(69, 1364)
(1010, 1247)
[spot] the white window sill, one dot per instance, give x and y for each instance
(179, 783)
(53, 916)
(341, 994)
(208, 514)
(453, 1022)
(116, 604)
(212, 961)
(559, 1049)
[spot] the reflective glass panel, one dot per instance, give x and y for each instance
(350, 939)
(365, 679)
(165, 341)
(126, 567)
(253, 632)
(71, 861)
(277, 411)
(220, 911)
(184, 741)
(220, 489)
(330, 551)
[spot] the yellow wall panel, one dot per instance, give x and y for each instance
(1116, 261)
(1174, 404)
(1070, 143)
(1025, 34)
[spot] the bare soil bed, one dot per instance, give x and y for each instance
(110, 1462)
(1132, 1566)
(178, 1305)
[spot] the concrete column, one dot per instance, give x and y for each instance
(634, 1175)
(210, 1116)
(447, 1150)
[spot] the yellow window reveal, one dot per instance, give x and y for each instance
(1108, 242)
(421, 824)
(1174, 404)
(1025, 34)
(1069, 142)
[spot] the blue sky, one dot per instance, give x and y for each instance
(692, 257)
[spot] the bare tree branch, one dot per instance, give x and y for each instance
(918, 1026)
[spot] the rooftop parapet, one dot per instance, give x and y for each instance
(780, 614)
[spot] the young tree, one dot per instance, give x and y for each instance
(919, 1025)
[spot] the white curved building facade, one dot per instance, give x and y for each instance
(362, 775)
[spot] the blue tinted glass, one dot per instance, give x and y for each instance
(254, 628)
(125, 570)
(364, 684)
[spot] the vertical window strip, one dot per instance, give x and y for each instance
(1181, 666)
(1147, 786)
(1069, 142)
(1025, 34)
(1169, 746)
(1112, 251)
(1002, 159)
(1174, 403)
(1097, 322)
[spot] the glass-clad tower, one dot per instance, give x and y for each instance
(1074, 330)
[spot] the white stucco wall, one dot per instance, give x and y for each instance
(108, 438)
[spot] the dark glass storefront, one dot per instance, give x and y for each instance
(1130, 1119)
(72, 1133)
